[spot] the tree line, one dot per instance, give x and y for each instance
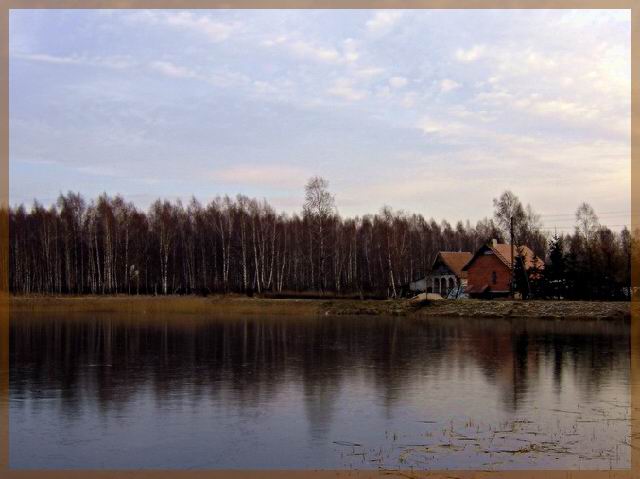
(242, 245)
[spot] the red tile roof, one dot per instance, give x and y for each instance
(455, 260)
(503, 252)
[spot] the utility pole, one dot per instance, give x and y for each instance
(512, 270)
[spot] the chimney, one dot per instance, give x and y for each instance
(494, 242)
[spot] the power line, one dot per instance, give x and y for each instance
(606, 213)
(574, 226)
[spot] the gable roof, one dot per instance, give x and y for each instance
(503, 252)
(454, 260)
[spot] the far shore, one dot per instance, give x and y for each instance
(242, 305)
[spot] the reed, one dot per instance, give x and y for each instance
(242, 305)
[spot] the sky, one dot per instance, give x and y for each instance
(427, 111)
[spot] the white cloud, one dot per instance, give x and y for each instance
(264, 87)
(314, 52)
(309, 50)
(100, 170)
(279, 40)
(558, 107)
(226, 78)
(538, 61)
(260, 175)
(214, 30)
(431, 126)
(344, 88)
(532, 97)
(383, 20)
(117, 62)
(471, 54)
(574, 113)
(397, 82)
(350, 50)
(37, 161)
(409, 99)
(43, 57)
(171, 70)
(448, 85)
(369, 71)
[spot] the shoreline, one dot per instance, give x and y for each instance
(242, 305)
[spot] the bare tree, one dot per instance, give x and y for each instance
(319, 206)
(233, 245)
(587, 221)
(508, 208)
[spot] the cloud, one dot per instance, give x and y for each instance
(100, 170)
(309, 50)
(368, 72)
(279, 40)
(43, 57)
(350, 50)
(228, 79)
(448, 85)
(568, 112)
(171, 70)
(344, 88)
(409, 100)
(37, 161)
(261, 175)
(558, 108)
(470, 55)
(117, 62)
(397, 82)
(383, 20)
(538, 61)
(219, 78)
(214, 30)
(431, 126)
(511, 102)
(264, 87)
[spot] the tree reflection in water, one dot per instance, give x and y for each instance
(377, 371)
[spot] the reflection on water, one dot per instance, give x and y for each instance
(117, 391)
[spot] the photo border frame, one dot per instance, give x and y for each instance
(634, 378)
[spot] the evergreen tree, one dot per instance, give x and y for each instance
(520, 274)
(556, 269)
(537, 279)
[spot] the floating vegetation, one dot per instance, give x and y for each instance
(347, 443)
(561, 438)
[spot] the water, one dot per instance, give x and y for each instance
(120, 391)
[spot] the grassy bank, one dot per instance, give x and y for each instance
(611, 310)
(241, 305)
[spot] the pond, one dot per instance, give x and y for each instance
(121, 391)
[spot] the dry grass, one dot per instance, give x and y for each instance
(242, 305)
(165, 304)
(611, 310)
(564, 442)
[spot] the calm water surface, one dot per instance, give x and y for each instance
(120, 391)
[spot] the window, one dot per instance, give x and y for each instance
(494, 277)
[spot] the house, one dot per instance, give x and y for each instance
(489, 270)
(446, 273)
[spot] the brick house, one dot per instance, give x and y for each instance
(489, 270)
